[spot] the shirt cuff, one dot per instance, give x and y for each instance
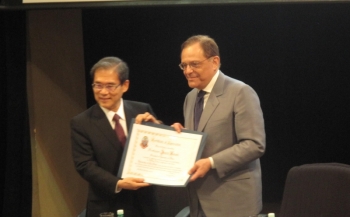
(212, 162)
(117, 190)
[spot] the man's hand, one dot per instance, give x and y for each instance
(178, 127)
(200, 168)
(146, 117)
(131, 183)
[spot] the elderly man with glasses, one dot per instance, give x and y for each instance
(226, 181)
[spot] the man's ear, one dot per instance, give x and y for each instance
(216, 61)
(125, 86)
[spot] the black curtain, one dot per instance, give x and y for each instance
(15, 167)
(296, 57)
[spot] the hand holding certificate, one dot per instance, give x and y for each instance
(160, 155)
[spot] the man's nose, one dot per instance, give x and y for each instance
(188, 69)
(104, 90)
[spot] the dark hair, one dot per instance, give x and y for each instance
(120, 67)
(208, 45)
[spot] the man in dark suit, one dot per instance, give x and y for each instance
(226, 181)
(97, 149)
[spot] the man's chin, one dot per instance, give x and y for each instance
(104, 101)
(192, 84)
(104, 105)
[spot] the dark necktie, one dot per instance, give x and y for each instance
(119, 130)
(198, 108)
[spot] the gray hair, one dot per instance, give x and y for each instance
(120, 67)
(208, 45)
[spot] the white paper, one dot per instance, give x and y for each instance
(160, 156)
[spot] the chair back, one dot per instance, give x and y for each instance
(321, 189)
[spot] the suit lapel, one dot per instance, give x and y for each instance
(212, 102)
(129, 114)
(101, 122)
(189, 113)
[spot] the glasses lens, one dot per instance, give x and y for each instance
(97, 86)
(194, 65)
(108, 87)
(111, 87)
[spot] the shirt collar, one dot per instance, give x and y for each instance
(110, 114)
(211, 84)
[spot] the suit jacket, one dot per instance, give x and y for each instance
(97, 153)
(233, 121)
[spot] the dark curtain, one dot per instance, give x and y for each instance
(296, 57)
(15, 167)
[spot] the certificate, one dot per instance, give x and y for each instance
(160, 155)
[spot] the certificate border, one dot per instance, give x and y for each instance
(162, 126)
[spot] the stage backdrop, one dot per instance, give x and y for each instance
(296, 57)
(56, 93)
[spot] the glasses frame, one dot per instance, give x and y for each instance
(109, 87)
(193, 64)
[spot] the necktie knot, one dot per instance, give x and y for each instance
(116, 118)
(201, 93)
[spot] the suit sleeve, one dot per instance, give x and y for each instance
(249, 131)
(86, 163)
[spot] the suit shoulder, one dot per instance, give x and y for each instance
(84, 114)
(234, 81)
(133, 108)
(236, 84)
(136, 103)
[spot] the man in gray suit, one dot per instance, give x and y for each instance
(226, 181)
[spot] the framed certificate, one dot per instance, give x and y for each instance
(160, 155)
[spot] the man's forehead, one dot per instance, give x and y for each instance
(194, 51)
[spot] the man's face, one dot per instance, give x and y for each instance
(198, 69)
(109, 99)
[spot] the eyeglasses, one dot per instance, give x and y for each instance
(109, 87)
(192, 65)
